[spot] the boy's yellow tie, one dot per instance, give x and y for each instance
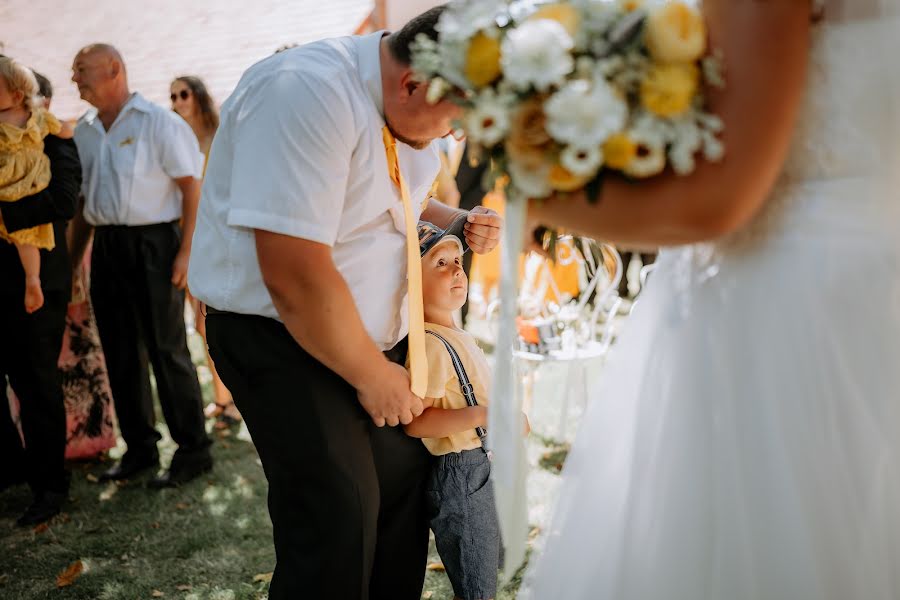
(418, 367)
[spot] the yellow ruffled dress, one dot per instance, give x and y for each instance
(25, 170)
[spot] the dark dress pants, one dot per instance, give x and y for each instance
(346, 498)
(29, 354)
(140, 317)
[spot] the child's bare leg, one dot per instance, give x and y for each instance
(31, 263)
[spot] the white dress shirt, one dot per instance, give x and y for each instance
(129, 171)
(300, 152)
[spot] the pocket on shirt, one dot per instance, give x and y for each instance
(398, 213)
(398, 217)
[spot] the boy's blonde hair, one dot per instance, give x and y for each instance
(19, 78)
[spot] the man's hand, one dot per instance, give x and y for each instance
(483, 229)
(180, 268)
(387, 398)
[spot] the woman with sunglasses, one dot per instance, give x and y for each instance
(191, 100)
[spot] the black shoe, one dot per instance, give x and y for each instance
(45, 506)
(182, 470)
(131, 465)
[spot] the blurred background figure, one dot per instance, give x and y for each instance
(192, 101)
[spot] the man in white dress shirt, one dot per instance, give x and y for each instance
(300, 256)
(142, 166)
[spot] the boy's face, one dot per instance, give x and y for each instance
(444, 283)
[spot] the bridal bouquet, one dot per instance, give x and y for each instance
(555, 93)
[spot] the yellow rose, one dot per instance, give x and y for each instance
(676, 33)
(630, 5)
(483, 60)
(668, 90)
(563, 180)
(564, 14)
(619, 151)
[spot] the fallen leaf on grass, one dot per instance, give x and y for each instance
(182, 506)
(72, 572)
(108, 492)
(92, 478)
(436, 567)
(157, 594)
(427, 595)
(154, 525)
(263, 578)
(183, 587)
(41, 528)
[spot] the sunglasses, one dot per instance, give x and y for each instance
(183, 93)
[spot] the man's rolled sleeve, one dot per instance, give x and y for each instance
(294, 144)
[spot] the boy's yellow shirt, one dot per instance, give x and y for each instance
(443, 384)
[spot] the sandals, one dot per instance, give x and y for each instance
(226, 415)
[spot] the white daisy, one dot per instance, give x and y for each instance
(488, 121)
(537, 53)
(581, 161)
(651, 158)
(585, 114)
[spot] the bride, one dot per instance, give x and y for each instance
(745, 444)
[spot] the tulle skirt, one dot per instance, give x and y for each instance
(745, 441)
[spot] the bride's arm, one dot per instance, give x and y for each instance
(765, 45)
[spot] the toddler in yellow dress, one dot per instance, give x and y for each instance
(24, 168)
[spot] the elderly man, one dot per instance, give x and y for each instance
(315, 182)
(142, 166)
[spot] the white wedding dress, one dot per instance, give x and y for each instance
(745, 444)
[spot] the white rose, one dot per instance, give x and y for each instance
(537, 53)
(585, 114)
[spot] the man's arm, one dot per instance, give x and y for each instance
(482, 230)
(190, 192)
(319, 311)
(78, 235)
(58, 200)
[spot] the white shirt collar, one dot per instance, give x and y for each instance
(369, 66)
(135, 102)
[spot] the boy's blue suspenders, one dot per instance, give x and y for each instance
(468, 390)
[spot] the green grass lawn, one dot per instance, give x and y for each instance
(210, 539)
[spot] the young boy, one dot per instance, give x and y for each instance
(460, 492)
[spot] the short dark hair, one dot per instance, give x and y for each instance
(399, 41)
(45, 88)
